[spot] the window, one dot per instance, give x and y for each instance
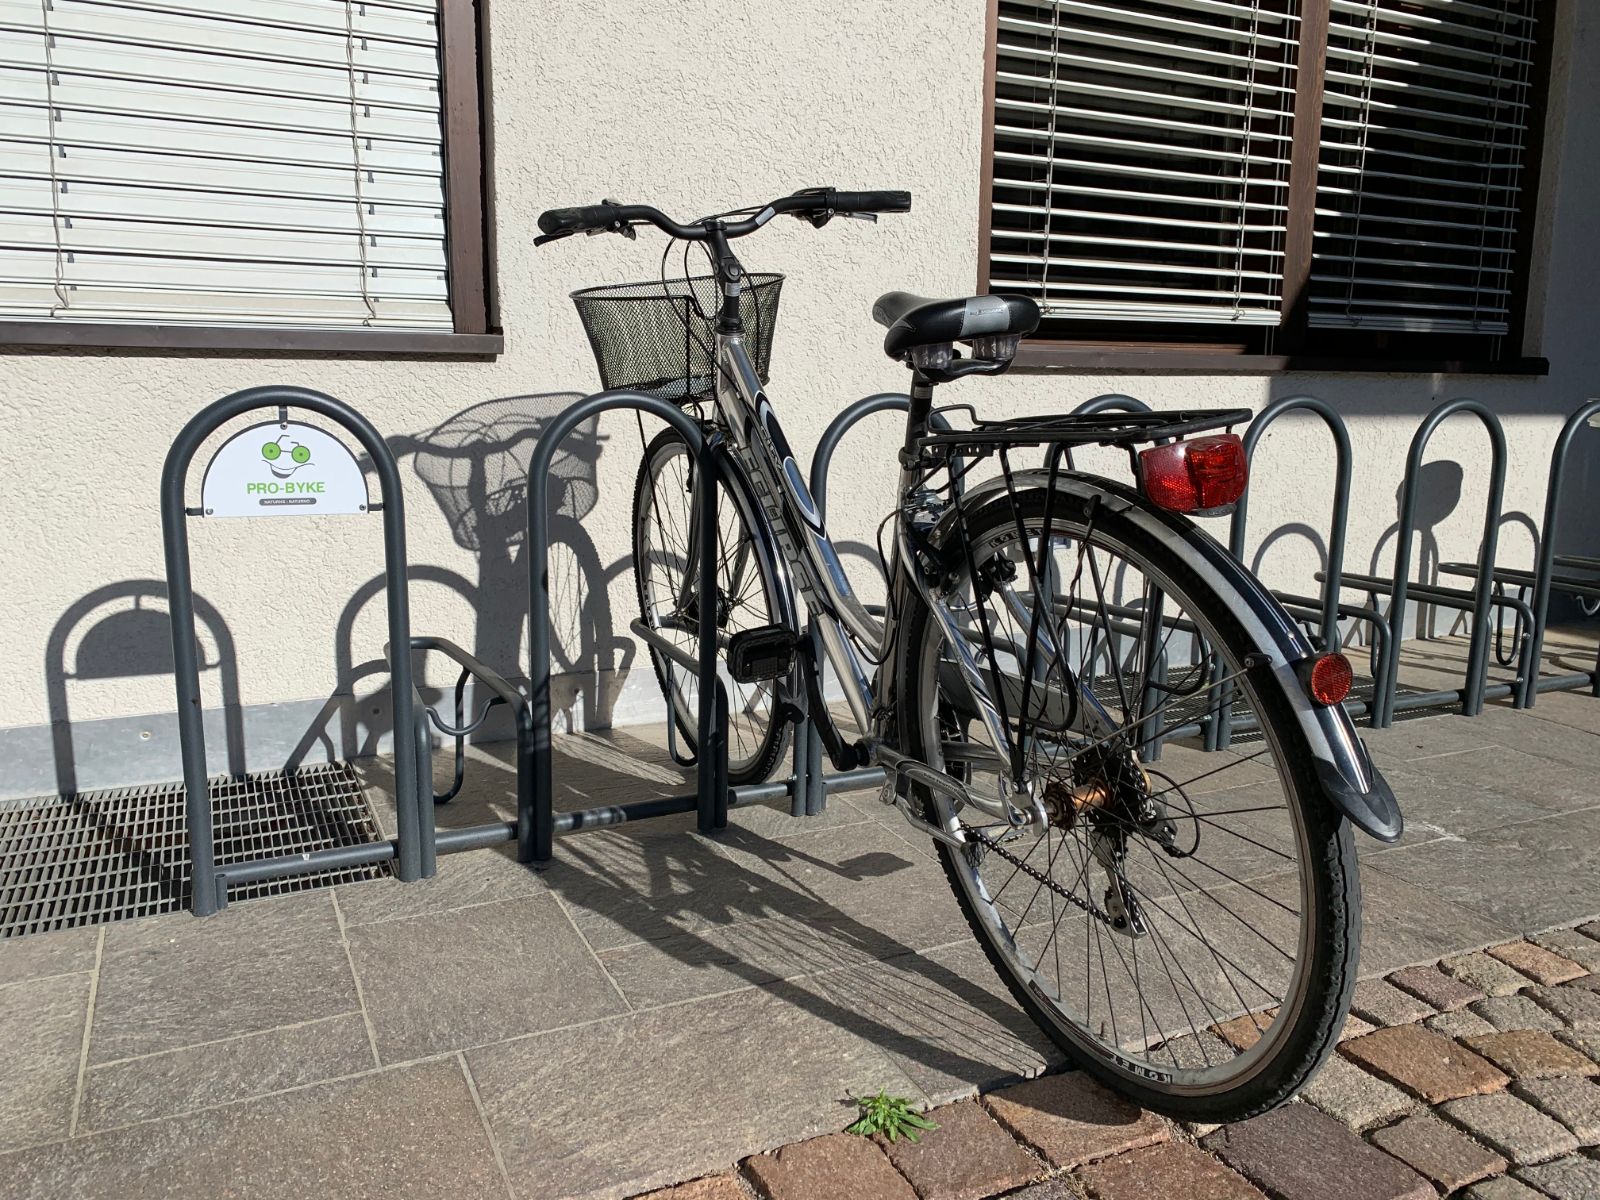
(274, 174)
(1339, 180)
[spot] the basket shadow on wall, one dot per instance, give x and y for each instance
(474, 466)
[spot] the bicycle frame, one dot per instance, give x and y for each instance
(758, 444)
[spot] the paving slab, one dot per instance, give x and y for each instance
(1531, 875)
(353, 1139)
(1072, 1120)
(1424, 1063)
(1586, 1043)
(1297, 1153)
(724, 958)
(943, 1017)
(1503, 1188)
(1537, 963)
(58, 953)
(1512, 1127)
(1574, 1101)
(840, 1164)
(1575, 1007)
(465, 977)
(177, 1081)
(1515, 1012)
(1571, 944)
(1438, 1151)
(1381, 1003)
(1175, 1169)
(172, 981)
(712, 1187)
(967, 1157)
(1461, 1023)
(1570, 1178)
(41, 1030)
(623, 1105)
(472, 877)
(1062, 1187)
(1360, 1099)
(1194, 1051)
(1404, 922)
(1530, 1054)
(1433, 987)
(1490, 975)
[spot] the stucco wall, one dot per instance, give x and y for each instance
(693, 106)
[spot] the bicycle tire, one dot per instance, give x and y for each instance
(765, 741)
(1329, 949)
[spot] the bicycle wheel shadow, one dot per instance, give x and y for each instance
(475, 467)
(835, 915)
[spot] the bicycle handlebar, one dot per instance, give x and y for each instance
(817, 204)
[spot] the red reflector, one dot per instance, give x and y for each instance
(1328, 678)
(1204, 476)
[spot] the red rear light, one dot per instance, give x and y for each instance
(1203, 476)
(1328, 678)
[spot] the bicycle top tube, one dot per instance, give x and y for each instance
(817, 205)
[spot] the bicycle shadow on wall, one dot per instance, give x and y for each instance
(475, 467)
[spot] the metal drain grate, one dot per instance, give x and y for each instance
(121, 853)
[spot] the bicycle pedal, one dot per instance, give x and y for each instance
(766, 652)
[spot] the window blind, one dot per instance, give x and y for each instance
(210, 162)
(1141, 157)
(1424, 129)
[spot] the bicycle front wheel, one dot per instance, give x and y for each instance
(1183, 924)
(666, 564)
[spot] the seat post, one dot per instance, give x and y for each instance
(921, 407)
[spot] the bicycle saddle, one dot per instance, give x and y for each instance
(917, 321)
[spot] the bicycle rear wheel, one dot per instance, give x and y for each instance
(1183, 924)
(665, 563)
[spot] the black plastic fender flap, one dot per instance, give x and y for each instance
(1375, 810)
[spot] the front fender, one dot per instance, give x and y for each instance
(1340, 759)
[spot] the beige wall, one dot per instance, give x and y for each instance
(692, 106)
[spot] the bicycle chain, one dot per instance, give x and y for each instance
(1034, 873)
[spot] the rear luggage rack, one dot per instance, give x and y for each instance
(1080, 429)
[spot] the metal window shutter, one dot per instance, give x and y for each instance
(1424, 130)
(1141, 157)
(222, 162)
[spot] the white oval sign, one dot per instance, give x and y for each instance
(286, 469)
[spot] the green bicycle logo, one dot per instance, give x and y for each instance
(285, 456)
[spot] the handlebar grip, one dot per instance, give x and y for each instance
(557, 221)
(869, 202)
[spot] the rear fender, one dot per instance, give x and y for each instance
(1344, 768)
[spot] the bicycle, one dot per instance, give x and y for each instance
(1050, 637)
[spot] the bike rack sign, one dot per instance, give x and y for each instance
(283, 469)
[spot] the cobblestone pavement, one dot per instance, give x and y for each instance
(1439, 1088)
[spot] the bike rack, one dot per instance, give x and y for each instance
(418, 842)
(1544, 577)
(1326, 609)
(209, 884)
(1478, 601)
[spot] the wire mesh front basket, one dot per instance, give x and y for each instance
(659, 337)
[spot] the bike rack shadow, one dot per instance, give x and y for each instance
(125, 643)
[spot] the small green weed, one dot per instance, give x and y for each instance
(891, 1116)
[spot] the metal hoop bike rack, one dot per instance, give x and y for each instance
(1545, 576)
(417, 842)
(1325, 609)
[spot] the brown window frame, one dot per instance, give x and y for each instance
(1294, 345)
(469, 249)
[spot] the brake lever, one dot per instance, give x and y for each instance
(871, 218)
(545, 239)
